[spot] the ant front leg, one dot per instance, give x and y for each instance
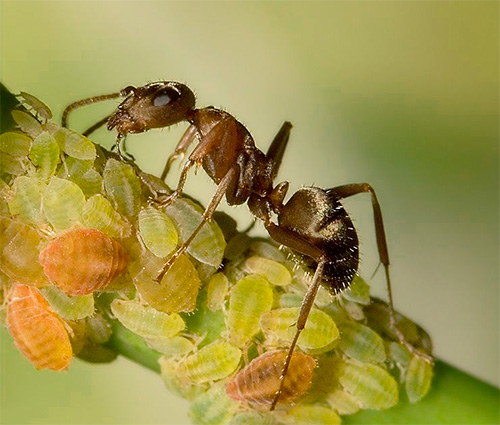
(348, 190)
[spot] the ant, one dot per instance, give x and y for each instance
(313, 222)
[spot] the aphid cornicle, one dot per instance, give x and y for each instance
(313, 222)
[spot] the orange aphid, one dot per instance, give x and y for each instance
(82, 261)
(38, 332)
(259, 381)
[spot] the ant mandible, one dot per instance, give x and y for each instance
(313, 223)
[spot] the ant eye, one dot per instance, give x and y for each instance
(165, 96)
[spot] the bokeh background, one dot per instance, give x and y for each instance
(403, 95)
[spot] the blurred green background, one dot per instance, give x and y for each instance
(403, 95)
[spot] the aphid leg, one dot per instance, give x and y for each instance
(180, 150)
(305, 309)
(207, 215)
(357, 188)
(277, 148)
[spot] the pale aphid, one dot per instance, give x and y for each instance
(63, 203)
(258, 382)
(145, 321)
(418, 378)
(75, 145)
(361, 343)
(249, 299)
(123, 187)
(36, 104)
(217, 289)
(354, 310)
(371, 385)
(358, 291)
(44, 153)
(38, 332)
(69, 308)
(343, 402)
(15, 144)
(27, 123)
(213, 407)
(82, 261)
(320, 330)
(267, 250)
(98, 213)
(174, 346)
(184, 389)
(274, 272)
(80, 171)
(312, 415)
(157, 231)
(26, 202)
(290, 300)
(209, 244)
(211, 363)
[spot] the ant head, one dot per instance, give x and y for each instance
(154, 105)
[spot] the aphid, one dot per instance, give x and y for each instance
(75, 145)
(361, 343)
(98, 213)
(26, 202)
(254, 418)
(44, 153)
(82, 261)
(258, 382)
(418, 378)
(69, 308)
(15, 144)
(312, 415)
(217, 288)
(371, 385)
(63, 202)
(175, 346)
(174, 384)
(27, 123)
(37, 331)
(250, 298)
(81, 173)
(145, 320)
(274, 272)
(343, 402)
(358, 291)
(212, 407)
(36, 104)
(212, 362)
(98, 329)
(157, 231)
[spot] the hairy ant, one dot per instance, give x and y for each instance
(313, 222)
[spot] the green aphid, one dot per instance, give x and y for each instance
(174, 346)
(320, 330)
(11, 165)
(361, 343)
(157, 231)
(267, 250)
(254, 418)
(98, 213)
(187, 390)
(358, 291)
(123, 187)
(212, 362)
(343, 402)
(27, 123)
(249, 299)
(217, 289)
(400, 356)
(290, 300)
(145, 321)
(312, 415)
(209, 244)
(98, 329)
(237, 246)
(75, 145)
(26, 202)
(274, 272)
(177, 291)
(37, 105)
(69, 308)
(354, 310)
(213, 407)
(371, 385)
(81, 173)
(15, 144)
(418, 378)
(63, 203)
(44, 153)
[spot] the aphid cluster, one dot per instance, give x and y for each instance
(85, 237)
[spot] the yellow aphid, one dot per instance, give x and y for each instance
(212, 407)
(75, 145)
(123, 187)
(157, 231)
(98, 213)
(26, 202)
(249, 299)
(175, 346)
(209, 244)
(145, 321)
(361, 343)
(15, 144)
(418, 378)
(82, 261)
(63, 203)
(69, 308)
(44, 153)
(217, 288)
(27, 123)
(372, 386)
(258, 382)
(312, 415)
(343, 402)
(212, 362)
(174, 384)
(319, 333)
(37, 331)
(274, 272)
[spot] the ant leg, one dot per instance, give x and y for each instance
(178, 191)
(354, 189)
(277, 148)
(228, 179)
(305, 309)
(180, 150)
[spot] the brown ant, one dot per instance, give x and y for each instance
(313, 223)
